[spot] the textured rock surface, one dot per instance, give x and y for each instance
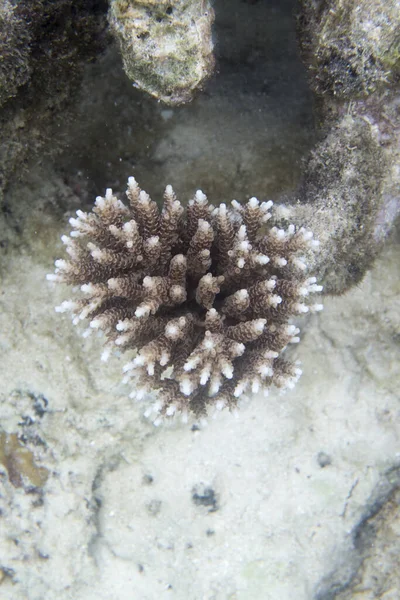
(166, 45)
(374, 558)
(14, 51)
(351, 50)
(350, 192)
(43, 50)
(352, 47)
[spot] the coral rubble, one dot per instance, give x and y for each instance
(203, 296)
(166, 45)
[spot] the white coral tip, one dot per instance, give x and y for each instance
(97, 254)
(208, 342)
(204, 225)
(128, 367)
(262, 259)
(270, 284)
(150, 369)
(87, 288)
(142, 311)
(274, 300)
(259, 325)
(171, 331)
(65, 306)
(200, 196)
(244, 246)
(227, 370)
(148, 282)
(240, 388)
(139, 361)
(164, 358)
(299, 263)
(265, 371)
(317, 307)
(95, 324)
(215, 385)
(316, 288)
(60, 263)
(301, 308)
(152, 241)
(242, 233)
(171, 410)
(205, 376)
(242, 294)
(266, 205)
(140, 394)
(238, 349)
(279, 261)
(186, 387)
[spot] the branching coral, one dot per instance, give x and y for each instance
(203, 296)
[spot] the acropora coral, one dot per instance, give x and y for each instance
(201, 296)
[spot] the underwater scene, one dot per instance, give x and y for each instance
(200, 300)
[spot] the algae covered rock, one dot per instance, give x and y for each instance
(166, 45)
(347, 196)
(352, 47)
(352, 179)
(14, 51)
(44, 48)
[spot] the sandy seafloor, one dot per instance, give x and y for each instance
(265, 504)
(293, 497)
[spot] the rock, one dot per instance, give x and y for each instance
(166, 45)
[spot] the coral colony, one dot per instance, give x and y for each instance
(201, 296)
